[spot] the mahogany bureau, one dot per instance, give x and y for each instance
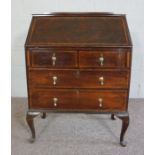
(78, 62)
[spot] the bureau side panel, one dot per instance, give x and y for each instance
(27, 60)
(129, 61)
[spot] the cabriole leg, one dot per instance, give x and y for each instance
(125, 123)
(112, 116)
(29, 118)
(43, 115)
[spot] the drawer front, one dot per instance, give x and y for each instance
(103, 100)
(53, 58)
(48, 99)
(103, 79)
(53, 79)
(78, 79)
(103, 59)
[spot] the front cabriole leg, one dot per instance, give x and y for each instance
(29, 118)
(125, 123)
(43, 115)
(112, 116)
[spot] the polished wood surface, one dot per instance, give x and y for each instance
(112, 59)
(43, 78)
(78, 62)
(87, 31)
(43, 58)
(79, 99)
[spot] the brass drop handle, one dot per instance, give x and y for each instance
(101, 79)
(100, 100)
(54, 80)
(55, 100)
(101, 59)
(53, 59)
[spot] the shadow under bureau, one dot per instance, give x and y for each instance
(78, 62)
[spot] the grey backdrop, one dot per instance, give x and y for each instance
(21, 16)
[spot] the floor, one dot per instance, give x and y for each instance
(77, 134)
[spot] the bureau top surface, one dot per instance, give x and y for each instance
(68, 30)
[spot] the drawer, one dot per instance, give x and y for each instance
(53, 58)
(103, 79)
(53, 78)
(103, 59)
(46, 98)
(104, 100)
(78, 78)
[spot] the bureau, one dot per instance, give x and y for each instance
(78, 62)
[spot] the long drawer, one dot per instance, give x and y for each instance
(60, 99)
(78, 78)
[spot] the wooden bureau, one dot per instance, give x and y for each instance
(78, 62)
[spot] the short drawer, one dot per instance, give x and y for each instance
(103, 59)
(113, 100)
(46, 99)
(53, 78)
(78, 79)
(104, 100)
(53, 58)
(103, 79)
